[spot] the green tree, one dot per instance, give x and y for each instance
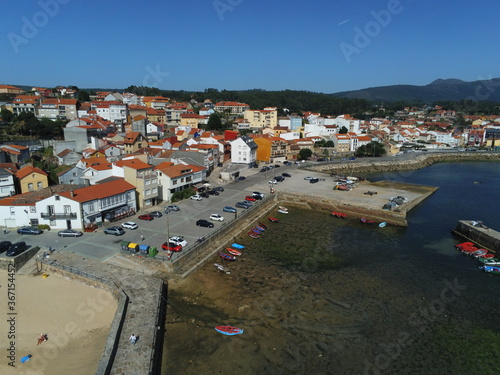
(6, 115)
(371, 149)
(214, 122)
(83, 96)
(305, 153)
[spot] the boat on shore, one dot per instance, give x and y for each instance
(364, 220)
(233, 251)
(227, 256)
(490, 261)
(263, 225)
(282, 211)
(237, 246)
(229, 330)
(340, 215)
(383, 224)
(273, 220)
(282, 208)
(252, 234)
(222, 269)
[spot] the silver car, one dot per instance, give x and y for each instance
(69, 233)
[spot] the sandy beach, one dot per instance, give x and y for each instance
(75, 317)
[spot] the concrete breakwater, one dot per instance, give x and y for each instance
(478, 233)
(373, 165)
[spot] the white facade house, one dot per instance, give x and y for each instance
(7, 185)
(243, 151)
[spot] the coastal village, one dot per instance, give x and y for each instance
(121, 152)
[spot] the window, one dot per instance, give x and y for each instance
(58, 198)
(154, 190)
(30, 186)
(12, 211)
(148, 192)
(91, 207)
(67, 209)
(33, 209)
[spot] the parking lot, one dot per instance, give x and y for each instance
(100, 246)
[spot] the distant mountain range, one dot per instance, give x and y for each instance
(439, 90)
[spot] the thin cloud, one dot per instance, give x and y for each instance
(341, 23)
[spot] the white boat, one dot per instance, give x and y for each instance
(282, 211)
(221, 268)
(283, 208)
(383, 224)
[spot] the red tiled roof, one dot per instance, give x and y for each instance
(99, 191)
(27, 170)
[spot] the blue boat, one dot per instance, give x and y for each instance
(237, 246)
(229, 330)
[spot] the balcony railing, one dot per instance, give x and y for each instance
(55, 216)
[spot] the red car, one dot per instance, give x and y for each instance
(147, 217)
(169, 246)
(250, 198)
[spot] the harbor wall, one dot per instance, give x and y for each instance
(483, 236)
(373, 165)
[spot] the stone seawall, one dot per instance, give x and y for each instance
(420, 161)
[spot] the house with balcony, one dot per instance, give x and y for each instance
(54, 108)
(25, 103)
(270, 149)
(32, 179)
(9, 89)
(261, 119)
(177, 177)
(234, 108)
(142, 176)
(173, 113)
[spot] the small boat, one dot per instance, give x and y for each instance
(491, 269)
(263, 225)
(237, 246)
(261, 228)
(479, 253)
(282, 211)
(464, 244)
(233, 251)
(227, 256)
(383, 224)
(252, 235)
(364, 220)
(273, 220)
(229, 330)
(221, 268)
(283, 208)
(490, 261)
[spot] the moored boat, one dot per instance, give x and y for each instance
(229, 330)
(256, 231)
(283, 208)
(490, 261)
(237, 246)
(491, 269)
(233, 251)
(261, 228)
(252, 235)
(282, 211)
(221, 268)
(263, 225)
(383, 224)
(364, 220)
(273, 220)
(227, 256)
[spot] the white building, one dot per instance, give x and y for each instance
(243, 151)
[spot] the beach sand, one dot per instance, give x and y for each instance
(75, 317)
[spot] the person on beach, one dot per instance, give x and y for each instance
(142, 237)
(133, 339)
(26, 358)
(43, 337)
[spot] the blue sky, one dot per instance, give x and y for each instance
(323, 45)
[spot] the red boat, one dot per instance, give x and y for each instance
(273, 220)
(263, 225)
(227, 256)
(228, 330)
(339, 214)
(252, 235)
(233, 251)
(365, 221)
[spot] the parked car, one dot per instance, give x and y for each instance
(277, 166)
(178, 240)
(146, 217)
(171, 207)
(241, 178)
(213, 192)
(279, 178)
(170, 246)
(69, 233)
(250, 198)
(29, 230)
(216, 217)
(286, 175)
(16, 249)
(242, 205)
(196, 197)
(309, 178)
(117, 231)
(258, 194)
(287, 163)
(229, 209)
(321, 159)
(273, 181)
(204, 223)
(313, 180)
(204, 195)
(219, 188)
(4, 246)
(264, 169)
(130, 225)
(156, 214)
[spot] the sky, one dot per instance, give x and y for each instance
(318, 45)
